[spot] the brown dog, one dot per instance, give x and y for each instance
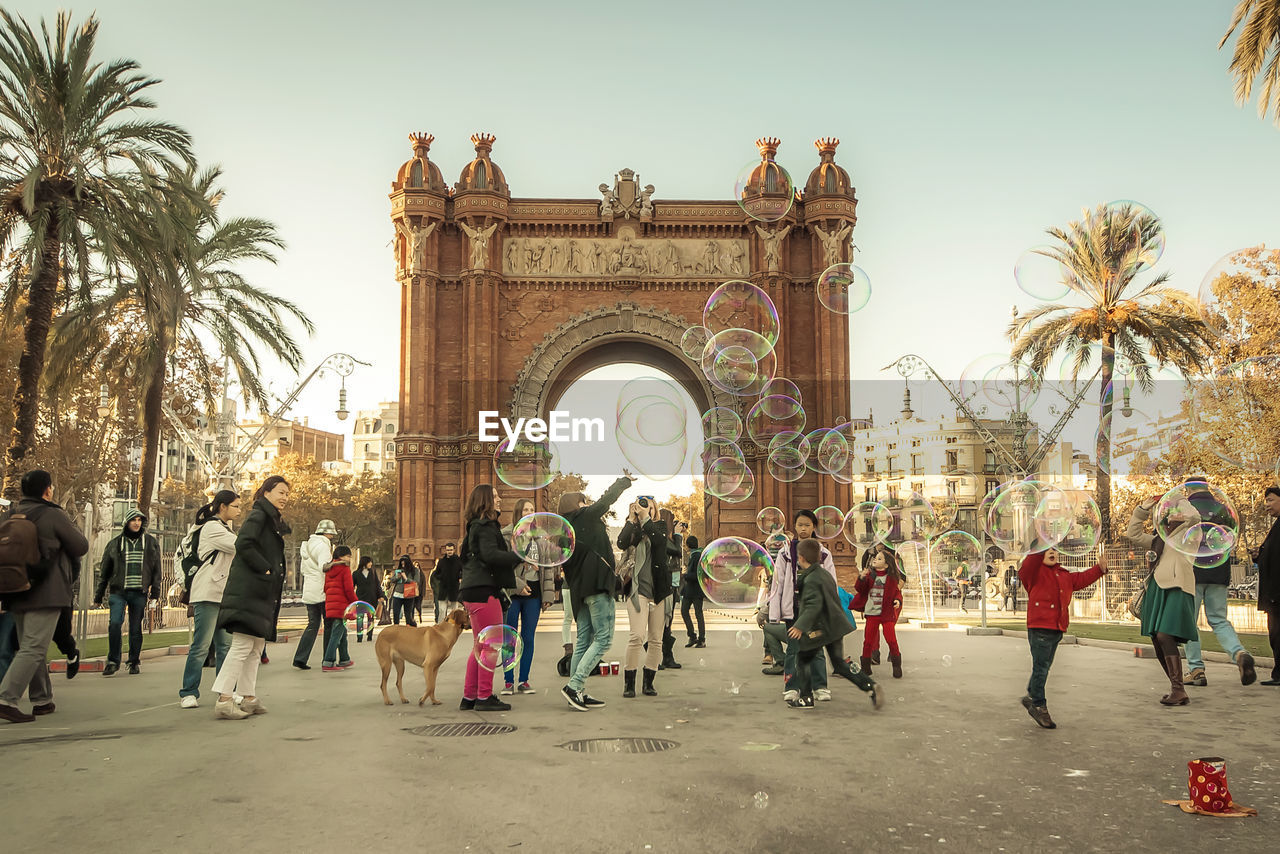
(424, 646)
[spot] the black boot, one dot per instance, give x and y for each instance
(647, 688)
(693, 639)
(864, 664)
(668, 659)
(629, 683)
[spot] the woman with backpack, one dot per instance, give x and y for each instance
(251, 599)
(211, 546)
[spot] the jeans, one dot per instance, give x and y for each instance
(566, 626)
(28, 673)
(774, 636)
(1044, 645)
(445, 607)
(523, 615)
(335, 648)
(398, 605)
(1214, 597)
(696, 605)
(595, 635)
(8, 642)
(315, 618)
(478, 682)
(205, 631)
(136, 602)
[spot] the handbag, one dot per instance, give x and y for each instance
(1134, 603)
(411, 590)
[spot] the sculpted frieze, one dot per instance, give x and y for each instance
(556, 257)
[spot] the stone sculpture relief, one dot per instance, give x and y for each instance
(416, 241)
(833, 243)
(479, 244)
(772, 241)
(669, 258)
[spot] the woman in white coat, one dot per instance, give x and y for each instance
(215, 545)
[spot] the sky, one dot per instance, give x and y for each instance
(968, 128)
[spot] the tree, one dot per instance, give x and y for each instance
(179, 286)
(1260, 36)
(1100, 257)
(71, 149)
(362, 508)
(691, 508)
(564, 482)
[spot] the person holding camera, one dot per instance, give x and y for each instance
(650, 589)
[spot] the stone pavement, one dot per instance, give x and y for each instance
(951, 763)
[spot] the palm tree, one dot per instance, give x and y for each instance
(1260, 36)
(179, 290)
(1100, 258)
(71, 145)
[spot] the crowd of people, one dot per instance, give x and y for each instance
(233, 582)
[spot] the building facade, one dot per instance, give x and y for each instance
(287, 437)
(373, 435)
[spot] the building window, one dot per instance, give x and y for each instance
(366, 467)
(953, 459)
(889, 461)
(391, 447)
(990, 460)
(992, 486)
(871, 466)
(873, 493)
(951, 440)
(870, 448)
(391, 428)
(915, 443)
(917, 486)
(367, 446)
(893, 494)
(951, 488)
(915, 464)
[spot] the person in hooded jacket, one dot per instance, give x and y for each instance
(339, 593)
(444, 582)
(650, 588)
(130, 570)
(368, 589)
(315, 555)
(405, 580)
(590, 577)
(692, 597)
(1168, 603)
(251, 599)
(215, 549)
(784, 598)
(488, 566)
(1049, 586)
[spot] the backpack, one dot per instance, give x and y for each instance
(22, 559)
(189, 558)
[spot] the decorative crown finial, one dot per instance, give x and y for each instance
(826, 145)
(483, 142)
(421, 140)
(768, 146)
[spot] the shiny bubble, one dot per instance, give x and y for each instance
(1073, 524)
(761, 800)
(742, 639)
(730, 570)
(1042, 276)
(830, 522)
(868, 523)
(741, 305)
(359, 615)
(1011, 521)
(746, 488)
(913, 519)
(735, 368)
(763, 189)
(1198, 520)
(1145, 237)
(782, 387)
(543, 539)
(771, 519)
(497, 647)
(721, 423)
(724, 475)
(789, 473)
(526, 465)
(955, 554)
(694, 341)
(1234, 412)
(844, 288)
(773, 415)
(1230, 273)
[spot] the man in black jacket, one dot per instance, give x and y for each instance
(444, 582)
(130, 570)
(589, 573)
(36, 611)
(1268, 558)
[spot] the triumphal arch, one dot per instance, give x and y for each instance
(506, 301)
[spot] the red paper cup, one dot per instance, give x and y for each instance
(604, 668)
(613, 667)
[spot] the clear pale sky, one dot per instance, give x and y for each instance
(968, 128)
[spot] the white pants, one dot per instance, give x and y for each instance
(646, 621)
(567, 636)
(239, 673)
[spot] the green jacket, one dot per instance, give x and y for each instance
(821, 620)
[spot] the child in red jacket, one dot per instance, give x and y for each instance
(1049, 586)
(339, 592)
(878, 595)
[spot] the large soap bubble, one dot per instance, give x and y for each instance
(955, 554)
(868, 523)
(526, 465)
(1197, 519)
(543, 539)
(730, 570)
(844, 288)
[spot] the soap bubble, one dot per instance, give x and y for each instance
(1011, 521)
(830, 522)
(743, 639)
(1074, 524)
(358, 615)
(738, 305)
(1234, 412)
(868, 523)
(526, 465)
(946, 661)
(694, 341)
(729, 569)
(721, 423)
(724, 475)
(844, 288)
(543, 539)
(1225, 321)
(761, 800)
(763, 189)
(770, 519)
(781, 387)
(913, 519)
(1041, 276)
(746, 488)
(955, 554)
(497, 647)
(1145, 253)
(1198, 520)
(773, 415)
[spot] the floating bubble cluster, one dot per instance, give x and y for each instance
(1198, 520)
(730, 569)
(543, 539)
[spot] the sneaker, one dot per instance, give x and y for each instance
(591, 702)
(1243, 660)
(253, 707)
(134, 670)
(264, 659)
(691, 642)
(773, 670)
(492, 704)
(1040, 714)
(466, 705)
(238, 698)
(111, 669)
(189, 702)
(359, 638)
(1196, 677)
(790, 695)
(345, 665)
(877, 699)
(823, 694)
(508, 689)
(73, 664)
(44, 708)
(1270, 682)
(768, 659)
(525, 688)
(801, 703)
(14, 715)
(330, 668)
(302, 666)
(574, 698)
(228, 711)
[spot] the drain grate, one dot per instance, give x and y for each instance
(619, 745)
(456, 730)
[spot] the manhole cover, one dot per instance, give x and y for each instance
(454, 730)
(619, 745)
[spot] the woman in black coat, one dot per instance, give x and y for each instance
(488, 566)
(251, 601)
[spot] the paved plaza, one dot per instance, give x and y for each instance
(951, 763)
